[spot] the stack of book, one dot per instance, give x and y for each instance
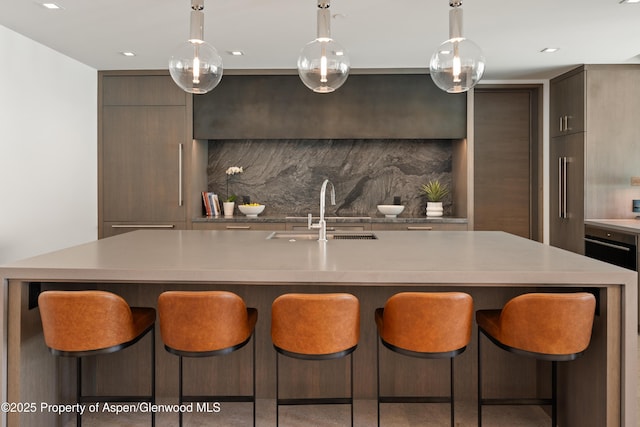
(211, 203)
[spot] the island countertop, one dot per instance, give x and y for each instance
(481, 263)
(240, 256)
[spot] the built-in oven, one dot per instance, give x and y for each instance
(613, 247)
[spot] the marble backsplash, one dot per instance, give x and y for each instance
(286, 175)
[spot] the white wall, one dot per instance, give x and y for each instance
(48, 149)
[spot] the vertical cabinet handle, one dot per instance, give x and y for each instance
(180, 201)
(564, 123)
(562, 187)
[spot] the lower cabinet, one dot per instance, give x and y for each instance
(115, 228)
(419, 227)
(247, 226)
(331, 227)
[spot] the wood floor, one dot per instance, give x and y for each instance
(396, 415)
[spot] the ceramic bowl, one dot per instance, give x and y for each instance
(251, 211)
(391, 211)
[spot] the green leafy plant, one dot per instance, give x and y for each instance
(434, 190)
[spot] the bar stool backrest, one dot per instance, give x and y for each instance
(315, 324)
(548, 323)
(203, 321)
(428, 322)
(76, 321)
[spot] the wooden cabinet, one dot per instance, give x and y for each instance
(440, 226)
(567, 107)
(566, 204)
(507, 163)
(590, 170)
(246, 226)
(144, 129)
(368, 106)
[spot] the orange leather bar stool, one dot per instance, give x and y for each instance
(430, 325)
(315, 327)
(205, 324)
(551, 327)
(89, 323)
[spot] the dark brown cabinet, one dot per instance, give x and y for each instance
(143, 153)
(567, 107)
(566, 204)
(592, 162)
(367, 106)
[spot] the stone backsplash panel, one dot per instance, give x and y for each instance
(286, 175)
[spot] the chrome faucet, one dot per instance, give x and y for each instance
(322, 224)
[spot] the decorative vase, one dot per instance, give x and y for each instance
(434, 209)
(228, 208)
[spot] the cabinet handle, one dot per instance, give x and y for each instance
(566, 123)
(238, 227)
(561, 124)
(142, 226)
(609, 245)
(562, 187)
(415, 227)
(180, 202)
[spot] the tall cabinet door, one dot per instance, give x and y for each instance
(566, 171)
(504, 170)
(142, 153)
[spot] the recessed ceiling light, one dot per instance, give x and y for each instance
(550, 49)
(51, 6)
(128, 53)
(629, 1)
(235, 52)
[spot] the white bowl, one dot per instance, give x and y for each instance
(251, 211)
(391, 211)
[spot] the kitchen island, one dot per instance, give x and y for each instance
(598, 389)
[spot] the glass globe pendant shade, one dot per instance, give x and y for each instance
(457, 65)
(323, 65)
(196, 67)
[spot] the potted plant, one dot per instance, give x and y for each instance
(435, 192)
(229, 202)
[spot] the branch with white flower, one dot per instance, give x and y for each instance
(233, 170)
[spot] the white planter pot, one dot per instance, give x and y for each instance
(434, 209)
(228, 208)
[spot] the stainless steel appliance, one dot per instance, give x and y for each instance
(611, 246)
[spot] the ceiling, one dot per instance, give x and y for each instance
(377, 34)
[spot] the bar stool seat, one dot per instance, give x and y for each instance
(430, 325)
(207, 324)
(88, 323)
(315, 327)
(545, 326)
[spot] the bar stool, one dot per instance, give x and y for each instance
(551, 327)
(315, 327)
(88, 323)
(205, 324)
(430, 325)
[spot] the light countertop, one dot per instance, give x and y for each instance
(482, 260)
(241, 256)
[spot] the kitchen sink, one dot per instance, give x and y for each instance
(293, 236)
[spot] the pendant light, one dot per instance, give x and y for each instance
(323, 64)
(458, 64)
(196, 66)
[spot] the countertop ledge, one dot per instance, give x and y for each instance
(625, 225)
